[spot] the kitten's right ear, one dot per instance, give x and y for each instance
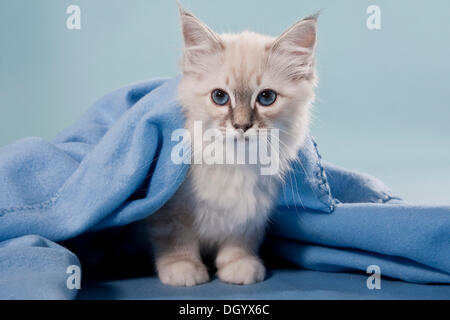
(200, 43)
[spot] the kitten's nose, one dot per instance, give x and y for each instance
(242, 117)
(242, 126)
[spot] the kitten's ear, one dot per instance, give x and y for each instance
(201, 44)
(294, 50)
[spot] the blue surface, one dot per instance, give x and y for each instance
(113, 167)
(282, 284)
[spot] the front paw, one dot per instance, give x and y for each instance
(183, 273)
(245, 270)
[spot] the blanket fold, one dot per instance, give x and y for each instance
(113, 167)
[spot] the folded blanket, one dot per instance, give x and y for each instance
(113, 167)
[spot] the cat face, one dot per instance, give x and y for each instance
(246, 82)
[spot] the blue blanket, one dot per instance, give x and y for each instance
(113, 167)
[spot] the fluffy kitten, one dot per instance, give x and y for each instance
(244, 82)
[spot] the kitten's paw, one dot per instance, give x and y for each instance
(246, 270)
(183, 273)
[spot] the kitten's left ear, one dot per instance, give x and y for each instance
(294, 50)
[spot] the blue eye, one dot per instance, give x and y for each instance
(267, 97)
(220, 97)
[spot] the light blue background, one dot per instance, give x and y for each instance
(384, 95)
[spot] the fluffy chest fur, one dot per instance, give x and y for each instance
(228, 200)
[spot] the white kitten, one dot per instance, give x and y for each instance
(245, 83)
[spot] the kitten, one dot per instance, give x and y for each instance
(244, 83)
